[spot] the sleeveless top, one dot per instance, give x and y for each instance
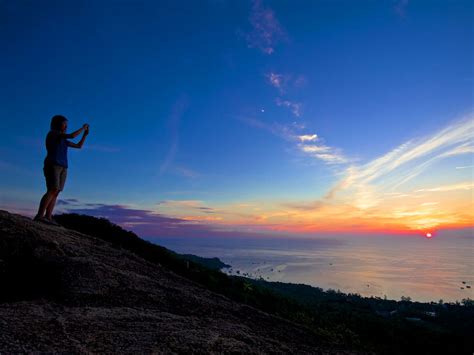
(56, 146)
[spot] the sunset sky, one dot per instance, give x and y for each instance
(245, 117)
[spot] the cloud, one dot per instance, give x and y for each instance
(410, 159)
(174, 119)
(369, 197)
(276, 80)
(185, 207)
(320, 151)
(266, 31)
(429, 204)
(307, 206)
(277, 129)
(148, 223)
(284, 81)
(314, 148)
(467, 185)
(186, 172)
(371, 187)
(465, 167)
(308, 137)
(295, 107)
(67, 202)
(323, 152)
(375, 196)
(181, 203)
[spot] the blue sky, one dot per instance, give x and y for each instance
(202, 101)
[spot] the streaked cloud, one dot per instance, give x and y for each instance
(295, 107)
(467, 185)
(280, 130)
(410, 159)
(174, 119)
(314, 148)
(308, 137)
(373, 186)
(149, 223)
(368, 197)
(389, 192)
(429, 204)
(465, 167)
(292, 133)
(323, 152)
(284, 82)
(67, 202)
(278, 81)
(181, 203)
(266, 30)
(184, 207)
(187, 172)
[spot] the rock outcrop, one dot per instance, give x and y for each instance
(63, 291)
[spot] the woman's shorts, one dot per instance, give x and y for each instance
(55, 177)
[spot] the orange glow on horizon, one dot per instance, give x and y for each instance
(413, 213)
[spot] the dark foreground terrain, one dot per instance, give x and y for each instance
(64, 291)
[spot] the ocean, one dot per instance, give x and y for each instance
(423, 269)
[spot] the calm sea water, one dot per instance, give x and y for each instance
(393, 266)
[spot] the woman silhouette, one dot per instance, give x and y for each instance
(55, 164)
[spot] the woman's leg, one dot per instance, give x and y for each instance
(51, 204)
(60, 180)
(45, 202)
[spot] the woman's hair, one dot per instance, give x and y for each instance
(57, 121)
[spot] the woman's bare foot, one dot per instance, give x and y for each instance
(52, 221)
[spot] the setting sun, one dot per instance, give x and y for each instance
(428, 235)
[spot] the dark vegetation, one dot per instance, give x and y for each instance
(210, 263)
(373, 323)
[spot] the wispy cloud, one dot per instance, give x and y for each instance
(174, 119)
(185, 207)
(277, 80)
(150, 223)
(410, 159)
(465, 167)
(67, 202)
(181, 203)
(295, 107)
(308, 137)
(187, 172)
(323, 152)
(283, 131)
(386, 193)
(315, 148)
(371, 196)
(266, 30)
(282, 82)
(467, 185)
(376, 195)
(369, 187)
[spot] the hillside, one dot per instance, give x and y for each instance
(64, 291)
